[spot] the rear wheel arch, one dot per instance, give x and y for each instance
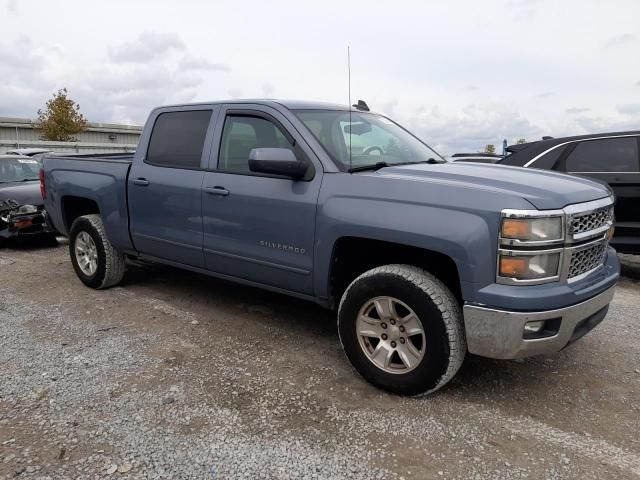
(74, 207)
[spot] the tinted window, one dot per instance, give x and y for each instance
(178, 138)
(608, 155)
(549, 159)
(241, 134)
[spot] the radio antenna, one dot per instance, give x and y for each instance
(349, 104)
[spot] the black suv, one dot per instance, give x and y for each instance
(608, 157)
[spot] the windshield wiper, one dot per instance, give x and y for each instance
(379, 165)
(431, 161)
(373, 167)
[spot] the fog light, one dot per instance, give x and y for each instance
(534, 327)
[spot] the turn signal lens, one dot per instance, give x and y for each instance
(513, 266)
(529, 267)
(515, 228)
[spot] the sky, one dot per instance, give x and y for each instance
(459, 74)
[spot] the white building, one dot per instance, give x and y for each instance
(97, 138)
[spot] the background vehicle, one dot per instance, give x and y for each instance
(476, 157)
(28, 152)
(607, 157)
(21, 205)
(423, 259)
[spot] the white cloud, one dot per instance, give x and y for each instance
(471, 128)
(576, 110)
(189, 62)
(629, 108)
(621, 40)
(268, 90)
(147, 47)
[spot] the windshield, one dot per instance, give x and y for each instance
(374, 139)
(18, 169)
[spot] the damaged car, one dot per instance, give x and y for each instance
(21, 211)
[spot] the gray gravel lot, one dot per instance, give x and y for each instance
(176, 375)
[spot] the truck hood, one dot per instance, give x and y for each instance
(543, 189)
(25, 193)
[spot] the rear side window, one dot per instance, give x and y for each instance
(177, 139)
(607, 155)
(241, 134)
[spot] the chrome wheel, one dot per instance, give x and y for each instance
(86, 253)
(391, 335)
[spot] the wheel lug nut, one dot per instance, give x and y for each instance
(402, 340)
(393, 344)
(401, 328)
(384, 336)
(384, 325)
(393, 322)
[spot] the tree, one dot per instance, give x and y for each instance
(521, 140)
(490, 148)
(61, 118)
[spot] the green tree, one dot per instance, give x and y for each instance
(521, 140)
(61, 119)
(490, 148)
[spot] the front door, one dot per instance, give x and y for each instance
(165, 190)
(258, 227)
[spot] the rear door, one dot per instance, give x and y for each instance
(259, 227)
(616, 162)
(165, 188)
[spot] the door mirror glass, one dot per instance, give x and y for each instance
(276, 161)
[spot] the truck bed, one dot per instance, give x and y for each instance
(101, 178)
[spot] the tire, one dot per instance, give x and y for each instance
(109, 263)
(407, 291)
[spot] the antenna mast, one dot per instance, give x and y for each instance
(349, 104)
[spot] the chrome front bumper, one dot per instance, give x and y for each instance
(500, 333)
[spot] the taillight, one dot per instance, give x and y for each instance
(43, 187)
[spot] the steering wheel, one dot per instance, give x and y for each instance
(373, 148)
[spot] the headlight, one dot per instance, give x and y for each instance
(544, 229)
(25, 209)
(528, 267)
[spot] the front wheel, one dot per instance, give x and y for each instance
(94, 259)
(402, 330)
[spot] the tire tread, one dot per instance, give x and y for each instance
(114, 261)
(444, 300)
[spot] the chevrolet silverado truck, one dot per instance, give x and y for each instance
(423, 260)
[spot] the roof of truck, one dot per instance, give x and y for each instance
(290, 104)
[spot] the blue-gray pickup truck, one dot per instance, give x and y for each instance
(424, 260)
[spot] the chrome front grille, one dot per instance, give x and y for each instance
(584, 260)
(597, 219)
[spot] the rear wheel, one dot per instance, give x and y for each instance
(94, 259)
(401, 328)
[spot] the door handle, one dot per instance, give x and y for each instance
(223, 192)
(143, 182)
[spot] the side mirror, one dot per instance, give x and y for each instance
(276, 161)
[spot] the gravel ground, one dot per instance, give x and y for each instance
(176, 375)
